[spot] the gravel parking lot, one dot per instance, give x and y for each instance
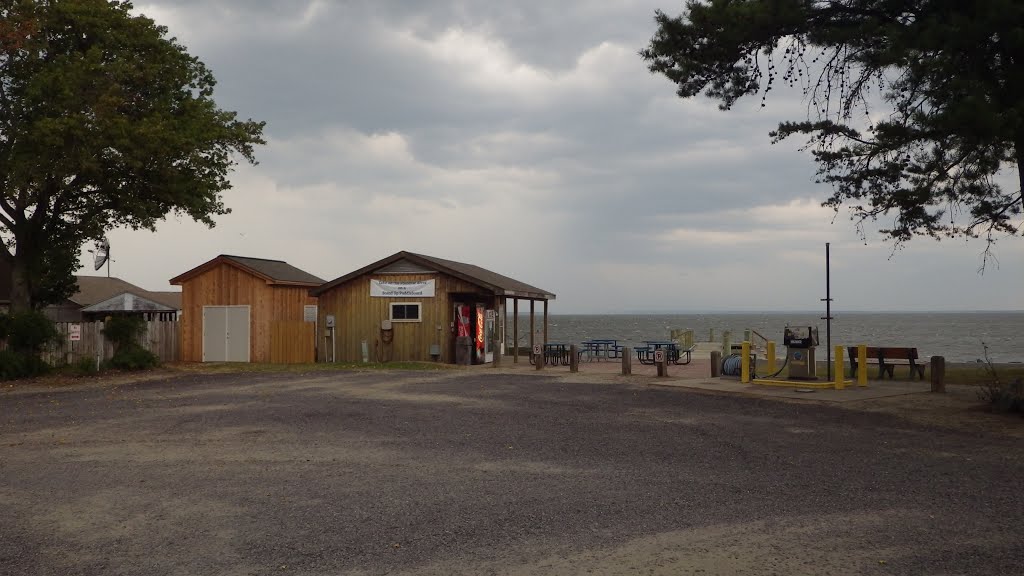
(485, 473)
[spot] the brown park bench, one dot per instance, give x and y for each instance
(888, 358)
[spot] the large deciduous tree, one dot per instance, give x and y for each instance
(915, 106)
(104, 122)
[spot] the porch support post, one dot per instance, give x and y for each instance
(545, 321)
(532, 312)
(515, 330)
(499, 317)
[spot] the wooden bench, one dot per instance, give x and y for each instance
(887, 358)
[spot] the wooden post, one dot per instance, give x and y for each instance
(938, 368)
(840, 384)
(515, 330)
(538, 357)
(545, 321)
(770, 353)
(862, 366)
(574, 359)
(745, 362)
(497, 346)
(716, 363)
(531, 325)
(662, 364)
(627, 360)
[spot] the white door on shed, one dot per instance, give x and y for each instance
(225, 333)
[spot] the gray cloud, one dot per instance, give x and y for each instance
(458, 127)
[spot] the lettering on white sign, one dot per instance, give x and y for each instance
(400, 289)
(75, 332)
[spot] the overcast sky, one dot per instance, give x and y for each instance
(529, 138)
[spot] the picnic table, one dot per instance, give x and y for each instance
(675, 354)
(600, 349)
(555, 353)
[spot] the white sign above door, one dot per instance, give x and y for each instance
(399, 289)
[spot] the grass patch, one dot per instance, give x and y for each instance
(243, 367)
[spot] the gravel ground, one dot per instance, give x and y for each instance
(476, 473)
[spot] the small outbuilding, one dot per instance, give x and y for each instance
(97, 297)
(413, 307)
(241, 309)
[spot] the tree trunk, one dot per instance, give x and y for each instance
(1020, 172)
(21, 291)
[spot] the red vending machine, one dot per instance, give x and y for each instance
(481, 340)
(464, 337)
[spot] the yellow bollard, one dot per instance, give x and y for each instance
(862, 366)
(745, 363)
(838, 369)
(770, 352)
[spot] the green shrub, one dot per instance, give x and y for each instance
(26, 334)
(1002, 395)
(134, 357)
(123, 331)
(28, 331)
(85, 367)
(15, 365)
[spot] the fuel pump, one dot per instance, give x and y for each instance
(800, 343)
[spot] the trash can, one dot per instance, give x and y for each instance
(464, 350)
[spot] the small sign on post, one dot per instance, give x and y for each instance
(660, 363)
(74, 332)
(538, 356)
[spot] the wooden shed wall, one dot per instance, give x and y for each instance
(358, 317)
(226, 285)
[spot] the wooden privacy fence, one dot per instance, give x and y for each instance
(161, 337)
(292, 342)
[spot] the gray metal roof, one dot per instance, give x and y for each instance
(129, 302)
(278, 270)
(499, 284)
(273, 271)
(95, 289)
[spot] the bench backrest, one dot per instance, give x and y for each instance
(888, 353)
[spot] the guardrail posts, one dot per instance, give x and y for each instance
(838, 369)
(862, 366)
(574, 359)
(716, 363)
(745, 363)
(627, 360)
(938, 375)
(770, 353)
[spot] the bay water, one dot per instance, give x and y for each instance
(958, 336)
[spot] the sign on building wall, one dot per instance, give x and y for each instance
(309, 313)
(397, 289)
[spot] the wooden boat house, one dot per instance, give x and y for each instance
(413, 307)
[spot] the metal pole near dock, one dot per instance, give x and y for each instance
(828, 313)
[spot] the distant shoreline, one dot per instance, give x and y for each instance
(776, 312)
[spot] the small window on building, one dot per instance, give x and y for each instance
(402, 312)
